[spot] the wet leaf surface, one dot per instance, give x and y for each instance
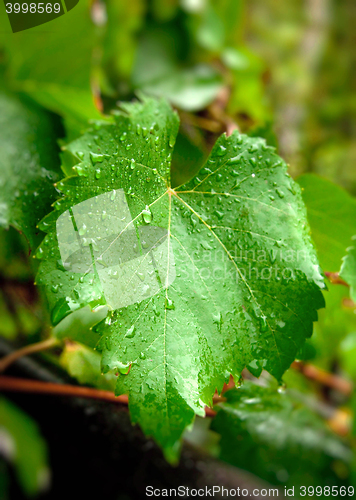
(202, 279)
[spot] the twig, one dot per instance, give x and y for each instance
(201, 122)
(217, 111)
(13, 384)
(6, 361)
(335, 279)
(323, 377)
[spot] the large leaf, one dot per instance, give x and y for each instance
(348, 269)
(285, 442)
(332, 217)
(29, 164)
(203, 278)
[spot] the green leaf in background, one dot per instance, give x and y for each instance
(29, 164)
(217, 27)
(336, 322)
(119, 45)
(190, 89)
(54, 66)
(157, 72)
(62, 66)
(218, 24)
(332, 217)
(202, 279)
(20, 310)
(275, 436)
(164, 10)
(83, 364)
(247, 95)
(348, 269)
(79, 325)
(23, 446)
(348, 355)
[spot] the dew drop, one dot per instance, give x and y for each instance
(123, 368)
(96, 158)
(217, 318)
(83, 230)
(280, 193)
(169, 304)
(147, 215)
(282, 388)
(234, 160)
(130, 333)
(263, 324)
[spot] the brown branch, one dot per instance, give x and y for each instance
(218, 113)
(201, 122)
(13, 384)
(6, 361)
(335, 279)
(323, 377)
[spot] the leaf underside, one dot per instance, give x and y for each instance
(286, 442)
(202, 279)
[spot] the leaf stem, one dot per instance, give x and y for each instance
(6, 361)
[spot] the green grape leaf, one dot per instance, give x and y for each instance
(284, 440)
(23, 446)
(202, 279)
(348, 269)
(332, 218)
(29, 164)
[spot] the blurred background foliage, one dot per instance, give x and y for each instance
(283, 71)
